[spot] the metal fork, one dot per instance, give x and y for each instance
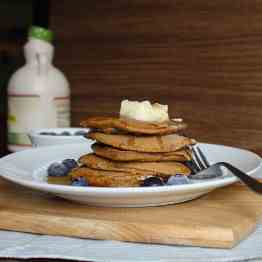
(201, 164)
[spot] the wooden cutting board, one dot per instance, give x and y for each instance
(220, 219)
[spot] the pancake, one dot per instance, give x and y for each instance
(123, 155)
(102, 178)
(151, 144)
(109, 124)
(167, 168)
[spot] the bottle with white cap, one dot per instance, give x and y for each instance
(38, 93)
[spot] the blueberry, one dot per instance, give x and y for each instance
(44, 133)
(152, 181)
(57, 169)
(51, 133)
(80, 133)
(47, 133)
(80, 181)
(70, 164)
(65, 133)
(177, 180)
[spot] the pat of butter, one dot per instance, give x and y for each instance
(144, 111)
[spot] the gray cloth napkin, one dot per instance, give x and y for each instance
(23, 245)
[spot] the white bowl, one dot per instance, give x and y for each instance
(40, 140)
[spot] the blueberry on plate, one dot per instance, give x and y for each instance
(152, 181)
(80, 133)
(57, 169)
(80, 181)
(177, 180)
(70, 164)
(65, 133)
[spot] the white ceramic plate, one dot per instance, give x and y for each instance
(28, 168)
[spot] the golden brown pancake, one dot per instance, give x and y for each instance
(151, 144)
(103, 178)
(167, 168)
(109, 124)
(124, 155)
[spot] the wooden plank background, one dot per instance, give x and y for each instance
(202, 58)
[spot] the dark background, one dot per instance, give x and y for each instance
(15, 18)
(202, 58)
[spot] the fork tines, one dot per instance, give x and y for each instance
(198, 159)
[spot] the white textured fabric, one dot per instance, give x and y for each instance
(21, 245)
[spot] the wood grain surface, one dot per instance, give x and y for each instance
(202, 58)
(220, 219)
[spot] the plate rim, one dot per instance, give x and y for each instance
(68, 189)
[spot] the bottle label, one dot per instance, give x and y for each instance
(62, 105)
(23, 114)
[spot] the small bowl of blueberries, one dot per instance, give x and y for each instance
(57, 136)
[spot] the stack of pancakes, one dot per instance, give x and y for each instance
(128, 151)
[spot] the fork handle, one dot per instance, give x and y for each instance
(251, 182)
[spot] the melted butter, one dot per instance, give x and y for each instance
(144, 111)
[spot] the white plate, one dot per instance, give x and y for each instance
(28, 168)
